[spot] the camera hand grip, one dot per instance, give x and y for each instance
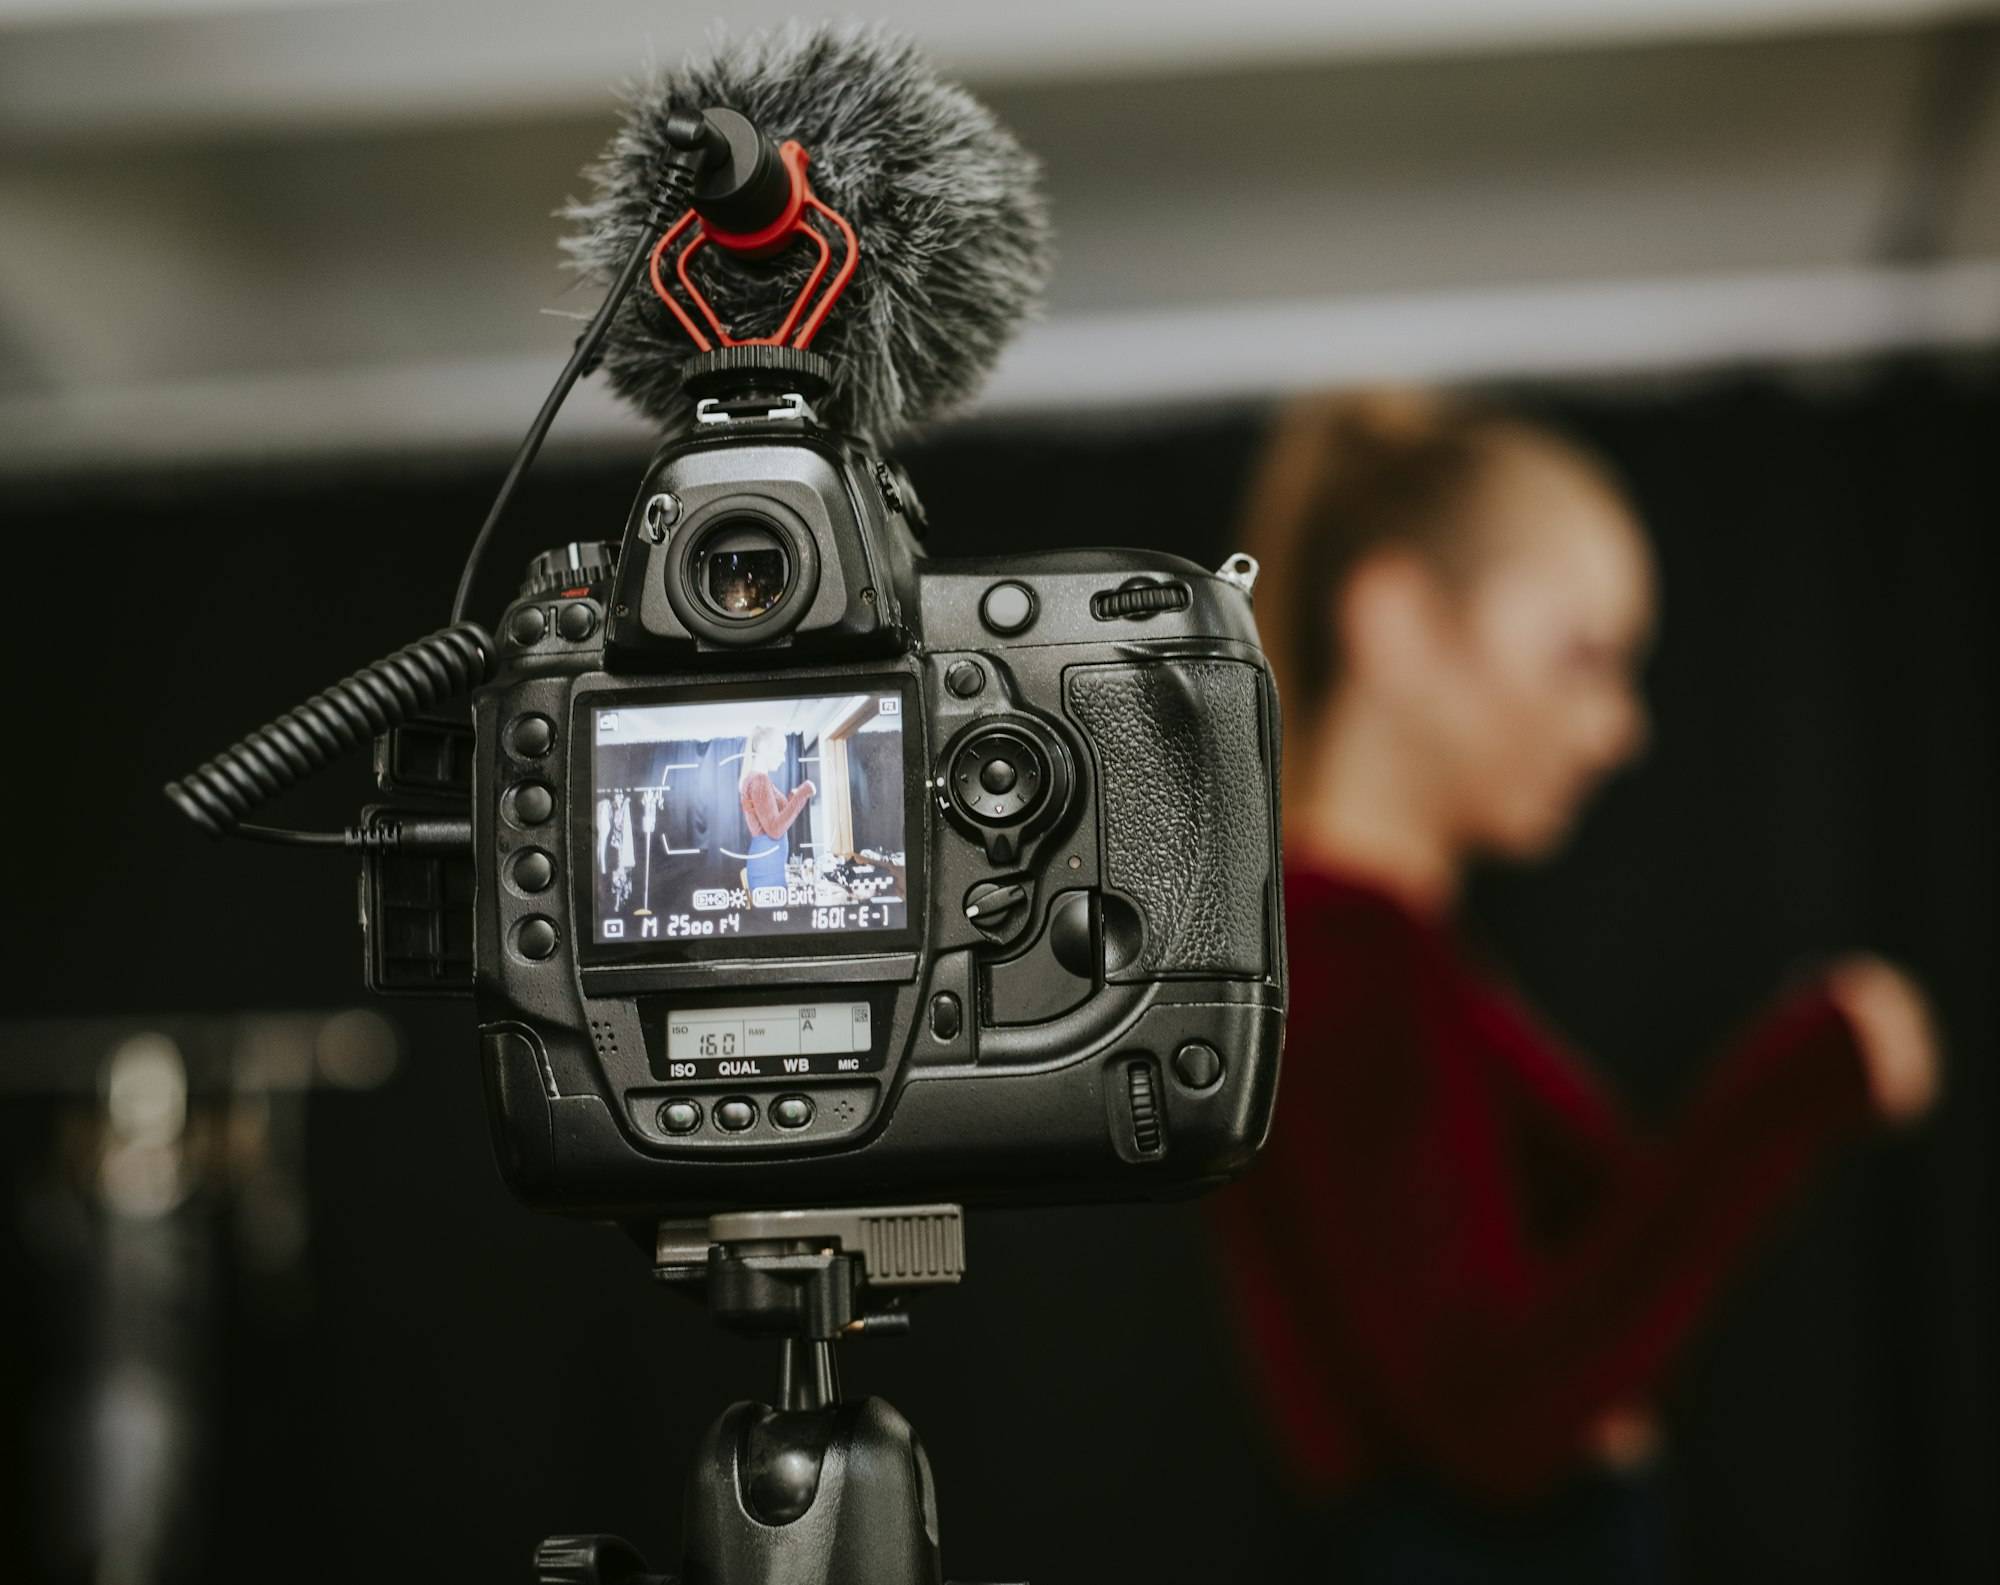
(1184, 772)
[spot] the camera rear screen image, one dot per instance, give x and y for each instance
(748, 817)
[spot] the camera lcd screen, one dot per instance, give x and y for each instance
(748, 817)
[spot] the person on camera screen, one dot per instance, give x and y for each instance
(767, 811)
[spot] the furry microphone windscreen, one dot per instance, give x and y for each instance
(953, 229)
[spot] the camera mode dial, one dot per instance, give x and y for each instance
(577, 565)
(1003, 779)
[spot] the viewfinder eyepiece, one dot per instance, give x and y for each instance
(743, 569)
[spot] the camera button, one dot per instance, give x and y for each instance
(533, 870)
(792, 1111)
(576, 621)
(529, 624)
(679, 1117)
(736, 1114)
(966, 679)
(531, 736)
(1197, 1066)
(533, 803)
(1007, 607)
(946, 1017)
(998, 775)
(536, 938)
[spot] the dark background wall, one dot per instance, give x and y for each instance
(451, 1378)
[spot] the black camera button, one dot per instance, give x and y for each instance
(999, 774)
(532, 870)
(1007, 607)
(736, 1114)
(531, 736)
(529, 625)
(533, 803)
(966, 679)
(680, 1116)
(1197, 1066)
(792, 1111)
(576, 621)
(947, 1017)
(1072, 932)
(537, 938)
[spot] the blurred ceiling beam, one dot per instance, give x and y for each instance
(1093, 361)
(1939, 167)
(126, 67)
(1589, 209)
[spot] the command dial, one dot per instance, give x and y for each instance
(577, 565)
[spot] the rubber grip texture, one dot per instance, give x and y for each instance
(1184, 773)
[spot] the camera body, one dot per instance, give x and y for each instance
(809, 869)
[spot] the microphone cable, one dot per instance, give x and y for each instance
(456, 659)
(674, 193)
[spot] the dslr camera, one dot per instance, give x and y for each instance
(809, 868)
(802, 868)
(798, 878)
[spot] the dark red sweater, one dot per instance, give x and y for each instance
(1455, 1256)
(764, 811)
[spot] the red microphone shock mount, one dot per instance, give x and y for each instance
(688, 235)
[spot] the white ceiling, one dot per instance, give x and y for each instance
(290, 225)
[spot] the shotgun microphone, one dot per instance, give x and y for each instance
(838, 149)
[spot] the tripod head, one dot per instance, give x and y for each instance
(812, 1278)
(812, 1274)
(813, 1489)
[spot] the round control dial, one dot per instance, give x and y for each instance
(576, 565)
(998, 777)
(1002, 780)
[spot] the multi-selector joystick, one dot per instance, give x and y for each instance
(1002, 780)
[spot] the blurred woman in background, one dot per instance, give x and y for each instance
(1462, 1272)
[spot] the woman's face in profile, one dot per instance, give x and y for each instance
(1534, 687)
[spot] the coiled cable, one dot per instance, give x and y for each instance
(452, 661)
